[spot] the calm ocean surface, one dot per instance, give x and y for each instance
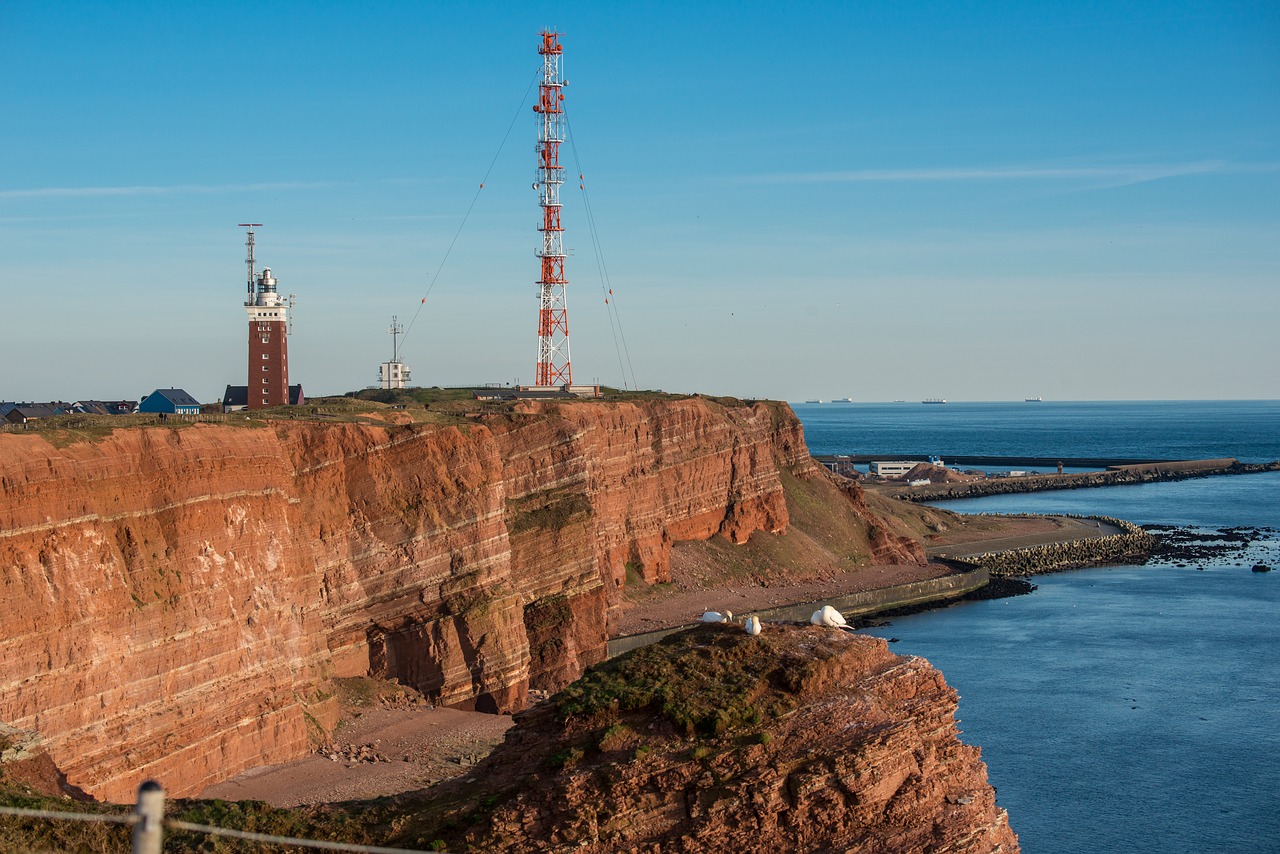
(1120, 709)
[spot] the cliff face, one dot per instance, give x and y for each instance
(176, 600)
(801, 739)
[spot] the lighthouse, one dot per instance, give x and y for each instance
(269, 319)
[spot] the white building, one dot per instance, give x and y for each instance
(894, 468)
(393, 375)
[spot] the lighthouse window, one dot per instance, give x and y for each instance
(265, 357)
(264, 369)
(265, 340)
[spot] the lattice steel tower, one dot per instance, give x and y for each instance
(553, 314)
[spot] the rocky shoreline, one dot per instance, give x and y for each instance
(1187, 546)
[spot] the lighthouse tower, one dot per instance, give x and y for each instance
(268, 337)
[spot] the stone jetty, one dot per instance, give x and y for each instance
(1118, 476)
(1131, 545)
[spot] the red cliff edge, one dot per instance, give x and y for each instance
(177, 600)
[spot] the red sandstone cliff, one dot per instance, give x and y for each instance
(801, 739)
(173, 601)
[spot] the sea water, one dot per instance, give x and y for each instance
(1119, 709)
(1181, 430)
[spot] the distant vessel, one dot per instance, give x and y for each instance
(819, 400)
(1035, 400)
(843, 400)
(934, 400)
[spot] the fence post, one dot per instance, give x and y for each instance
(148, 833)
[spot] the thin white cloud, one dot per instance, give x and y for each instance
(1112, 175)
(157, 190)
(177, 189)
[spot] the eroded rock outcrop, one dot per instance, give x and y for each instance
(801, 739)
(176, 600)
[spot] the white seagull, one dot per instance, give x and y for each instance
(752, 625)
(828, 616)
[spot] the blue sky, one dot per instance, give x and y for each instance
(877, 200)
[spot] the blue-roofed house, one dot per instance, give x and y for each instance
(171, 401)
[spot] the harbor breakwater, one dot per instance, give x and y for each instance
(1118, 476)
(1131, 545)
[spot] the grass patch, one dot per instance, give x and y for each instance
(548, 513)
(566, 758)
(550, 612)
(615, 737)
(704, 681)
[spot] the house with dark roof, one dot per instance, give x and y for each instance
(23, 412)
(102, 407)
(236, 397)
(170, 401)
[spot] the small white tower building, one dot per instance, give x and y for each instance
(394, 374)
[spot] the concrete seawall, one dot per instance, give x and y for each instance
(853, 605)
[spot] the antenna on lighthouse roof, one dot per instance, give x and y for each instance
(249, 243)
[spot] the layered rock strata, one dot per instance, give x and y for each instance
(176, 600)
(801, 739)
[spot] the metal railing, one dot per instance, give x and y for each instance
(149, 824)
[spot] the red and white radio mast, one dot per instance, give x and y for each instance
(553, 314)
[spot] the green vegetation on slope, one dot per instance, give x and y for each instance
(709, 681)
